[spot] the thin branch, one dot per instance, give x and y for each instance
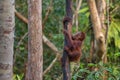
(45, 40)
(75, 16)
(47, 13)
(77, 9)
(108, 18)
(114, 9)
(19, 43)
(50, 44)
(21, 17)
(51, 65)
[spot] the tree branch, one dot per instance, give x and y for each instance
(50, 66)
(47, 13)
(45, 40)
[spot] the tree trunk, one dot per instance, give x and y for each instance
(98, 10)
(101, 7)
(100, 45)
(35, 50)
(7, 24)
(65, 59)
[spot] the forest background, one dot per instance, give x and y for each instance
(53, 12)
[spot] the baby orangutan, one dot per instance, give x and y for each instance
(73, 47)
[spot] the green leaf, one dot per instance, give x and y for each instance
(18, 77)
(113, 32)
(117, 54)
(91, 64)
(83, 10)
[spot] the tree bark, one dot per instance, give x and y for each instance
(35, 50)
(101, 7)
(100, 45)
(98, 10)
(65, 59)
(7, 24)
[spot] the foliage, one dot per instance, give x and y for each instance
(53, 31)
(114, 32)
(18, 77)
(87, 74)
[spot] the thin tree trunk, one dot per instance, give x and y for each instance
(65, 59)
(35, 50)
(7, 23)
